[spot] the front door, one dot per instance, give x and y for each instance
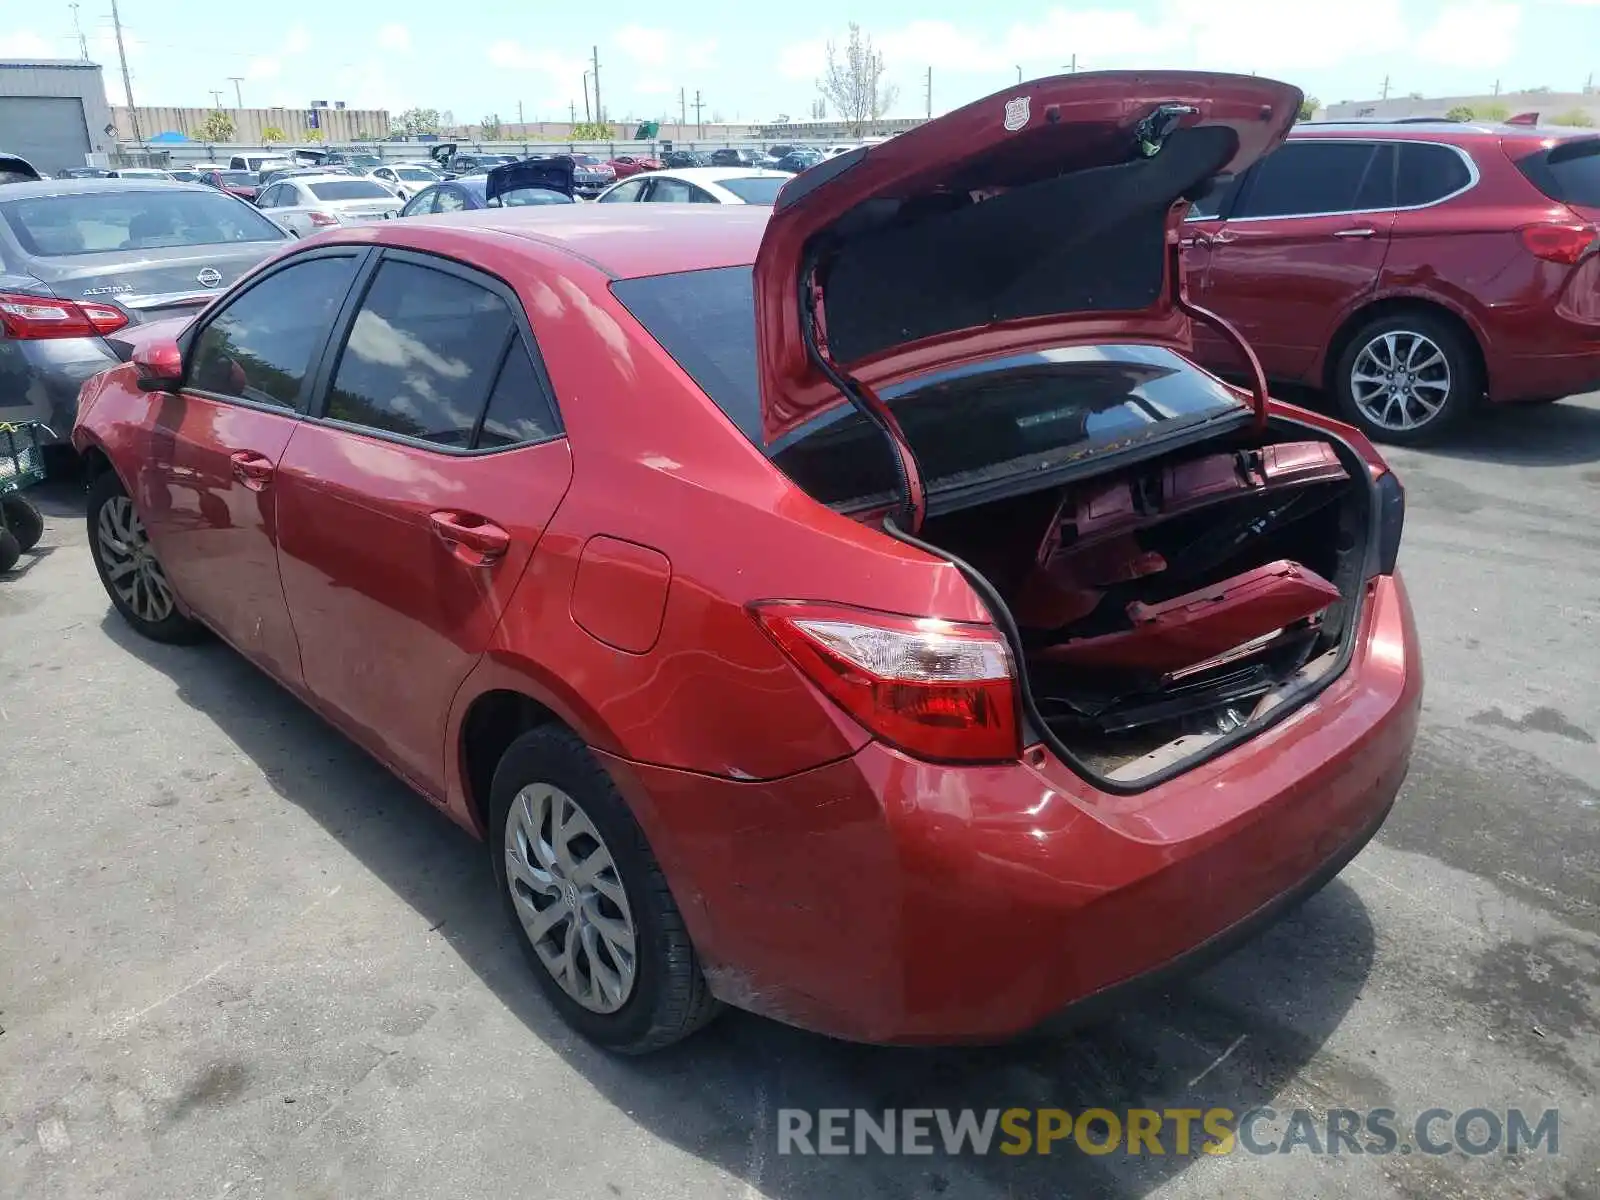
(206, 480)
(409, 509)
(1304, 241)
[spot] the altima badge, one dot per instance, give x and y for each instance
(1016, 113)
(210, 277)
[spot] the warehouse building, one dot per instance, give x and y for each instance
(54, 113)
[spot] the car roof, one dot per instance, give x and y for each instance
(317, 177)
(1442, 128)
(714, 174)
(626, 241)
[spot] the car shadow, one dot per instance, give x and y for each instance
(1233, 1037)
(1563, 434)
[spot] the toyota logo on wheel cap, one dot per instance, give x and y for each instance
(210, 277)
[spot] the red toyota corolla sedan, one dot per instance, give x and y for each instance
(860, 611)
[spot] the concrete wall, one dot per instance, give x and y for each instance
(1548, 105)
(63, 78)
(338, 125)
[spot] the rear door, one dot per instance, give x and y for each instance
(206, 482)
(410, 505)
(1304, 242)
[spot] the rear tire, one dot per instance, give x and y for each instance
(588, 901)
(23, 520)
(1408, 378)
(128, 568)
(10, 550)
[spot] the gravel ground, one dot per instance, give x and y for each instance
(237, 959)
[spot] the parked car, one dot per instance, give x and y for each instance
(516, 185)
(404, 179)
(568, 516)
(627, 165)
(681, 160)
(261, 164)
(147, 173)
(699, 185)
(453, 162)
(798, 160)
(590, 174)
(16, 169)
(83, 173)
(83, 260)
(1411, 269)
(304, 204)
(236, 183)
(738, 158)
(277, 173)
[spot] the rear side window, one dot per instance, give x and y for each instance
(1305, 178)
(519, 410)
(754, 189)
(1569, 172)
(258, 347)
(624, 193)
(1429, 173)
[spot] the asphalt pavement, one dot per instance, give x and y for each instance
(238, 960)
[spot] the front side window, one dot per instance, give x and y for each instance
(624, 193)
(422, 202)
(421, 356)
(259, 346)
(1307, 178)
(450, 200)
(672, 191)
(158, 218)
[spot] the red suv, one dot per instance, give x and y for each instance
(1409, 269)
(858, 610)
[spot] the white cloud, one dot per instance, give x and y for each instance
(27, 44)
(647, 47)
(266, 67)
(395, 37)
(298, 41)
(1479, 33)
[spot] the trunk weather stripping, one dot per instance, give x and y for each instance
(913, 506)
(1258, 377)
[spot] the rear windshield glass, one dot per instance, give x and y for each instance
(1568, 172)
(754, 189)
(418, 174)
(1032, 411)
(350, 189)
(238, 178)
(95, 222)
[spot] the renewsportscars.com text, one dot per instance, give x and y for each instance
(1174, 1131)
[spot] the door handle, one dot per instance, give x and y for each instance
(252, 469)
(1224, 236)
(469, 532)
(1193, 239)
(1355, 233)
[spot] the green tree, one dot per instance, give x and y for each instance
(1461, 112)
(1573, 116)
(272, 135)
(417, 121)
(490, 127)
(217, 127)
(592, 131)
(1308, 108)
(314, 135)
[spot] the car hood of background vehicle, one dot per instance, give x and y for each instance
(914, 268)
(553, 174)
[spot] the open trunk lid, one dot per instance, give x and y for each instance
(552, 174)
(1040, 216)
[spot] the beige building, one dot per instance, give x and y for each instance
(1549, 105)
(336, 124)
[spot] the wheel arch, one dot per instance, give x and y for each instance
(1394, 305)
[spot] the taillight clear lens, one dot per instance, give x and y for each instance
(936, 689)
(322, 218)
(35, 318)
(1560, 243)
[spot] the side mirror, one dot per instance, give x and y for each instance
(160, 364)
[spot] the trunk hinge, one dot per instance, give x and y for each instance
(1258, 378)
(913, 508)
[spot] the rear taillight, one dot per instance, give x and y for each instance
(1560, 243)
(322, 218)
(935, 689)
(33, 318)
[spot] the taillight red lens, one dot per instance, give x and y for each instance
(322, 218)
(1560, 243)
(33, 318)
(935, 689)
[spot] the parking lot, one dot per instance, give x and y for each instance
(238, 959)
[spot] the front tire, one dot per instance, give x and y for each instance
(1407, 379)
(588, 901)
(128, 567)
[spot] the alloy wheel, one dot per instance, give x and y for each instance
(1400, 380)
(569, 897)
(131, 566)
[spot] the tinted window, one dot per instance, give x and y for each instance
(93, 222)
(421, 355)
(450, 199)
(349, 189)
(238, 178)
(519, 410)
(422, 202)
(1215, 200)
(1568, 172)
(259, 346)
(520, 197)
(672, 191)
(414, 174)
(624, 192)
(1429, 173)
(754, 190)
(1306, 177)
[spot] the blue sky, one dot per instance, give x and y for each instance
(474, 57)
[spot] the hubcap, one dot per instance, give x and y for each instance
(1400, 380)
(569, 897)
(131, 567)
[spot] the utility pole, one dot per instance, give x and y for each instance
(572, 109)
(698, 105)
(1073, 65)
(83, 42)
(1019, 74)
(216, 96)
(238, 96)
(599, 112)
(127, 80)
(1496, 87)
(928, 93)
(1385, 94)
(586, 117)
(683, 111)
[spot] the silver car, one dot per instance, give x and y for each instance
(81, 259)
(304, 204)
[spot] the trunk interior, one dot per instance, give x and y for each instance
(1164, 607)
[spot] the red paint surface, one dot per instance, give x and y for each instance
(619, 595)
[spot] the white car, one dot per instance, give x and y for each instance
(405, 179)
(306, 203)
(699, 185)
(139, 173)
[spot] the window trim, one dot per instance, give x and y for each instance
(190, 336)
(339, 334)
(1473, 177)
